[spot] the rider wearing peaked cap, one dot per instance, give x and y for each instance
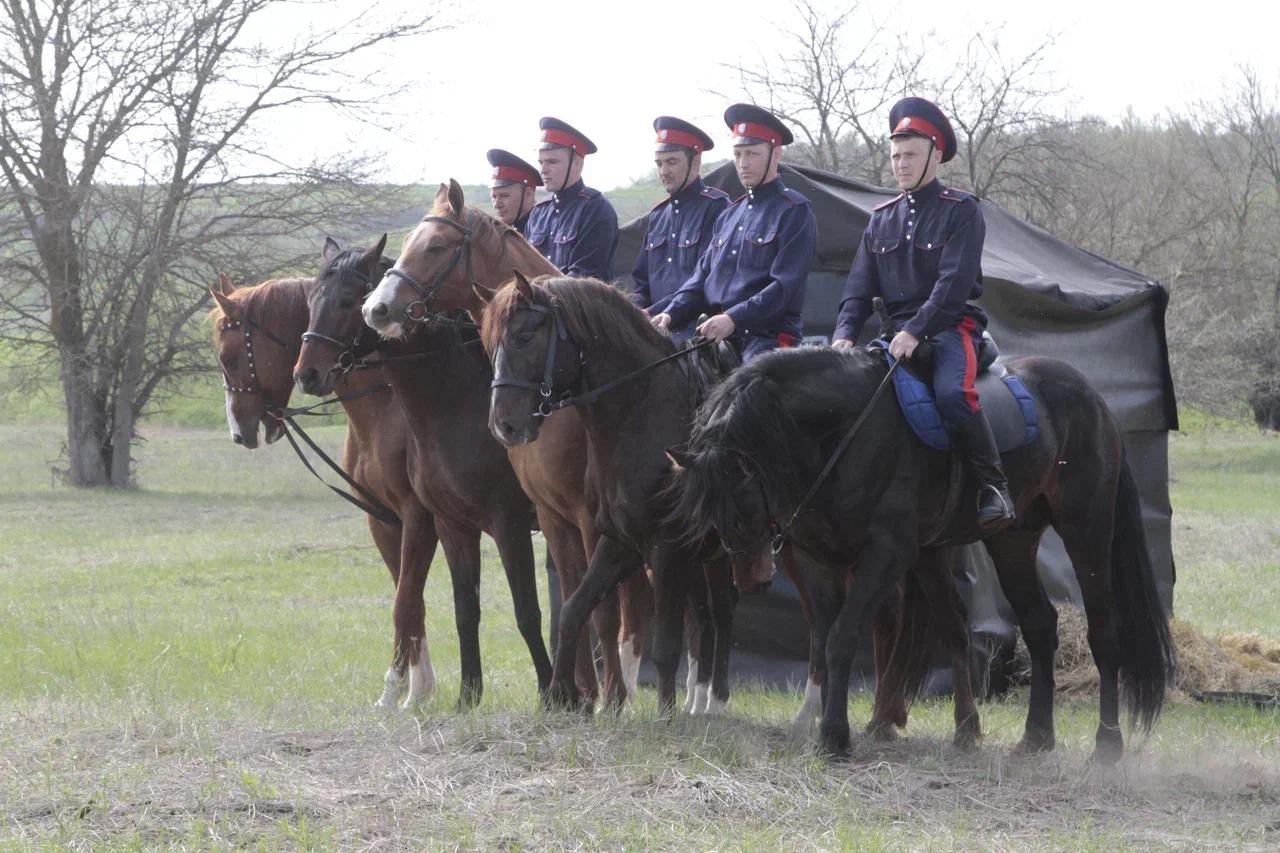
(681, 225)
(752, 277)
(513, 184)
(575, 228)
(922, 252)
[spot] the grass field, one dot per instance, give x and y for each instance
(192, 665)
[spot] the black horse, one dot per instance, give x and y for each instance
(761, 439)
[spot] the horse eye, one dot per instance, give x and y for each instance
(525, 337)
(435, 250)
(232, 363)
(346, 301)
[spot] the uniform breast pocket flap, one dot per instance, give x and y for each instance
(653, 244)
(536, 240)
(760, 238)
(691, 238)
(930, 242)
(884, 245)
(568, 235)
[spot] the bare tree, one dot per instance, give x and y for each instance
(132, 148)
(833, 87)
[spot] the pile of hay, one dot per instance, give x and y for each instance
(1234, 662)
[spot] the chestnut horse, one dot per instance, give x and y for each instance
(267, 321)
(454, 246)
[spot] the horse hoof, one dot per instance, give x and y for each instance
(883, 732)
(715, 707)
(966, 740)
(562, 697)
(835, 740)
(1034, 744)
(1108, 746)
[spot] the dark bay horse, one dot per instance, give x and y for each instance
(569, 336)
(452, 247)
(460, 475)
(764, 435)
(267, 321)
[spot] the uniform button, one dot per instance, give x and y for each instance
(650, 245)
(930, 246)
(909, 222)
(673, 236)
(735, 251)
(748, 207)
(739, 227)
(668, 260)
(908, 235)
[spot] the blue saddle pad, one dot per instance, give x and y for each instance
(1009, 407)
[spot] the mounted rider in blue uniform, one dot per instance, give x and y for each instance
(576, 228)
(681, 225)
(513, 185)
(922, 252)
(752, 278)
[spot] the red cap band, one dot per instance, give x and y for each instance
(568, 140)
(912, 124)
(511, 173)
(755, 131)
(679, 137)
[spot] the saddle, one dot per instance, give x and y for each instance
(1009, 406)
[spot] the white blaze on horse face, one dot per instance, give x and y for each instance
(231, 416)
(384, 294)
(810, 708)
(422, 677)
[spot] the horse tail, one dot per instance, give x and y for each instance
(917, 627)
(1147, 654)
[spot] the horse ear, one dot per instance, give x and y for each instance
(522, 286)
(373, 254)
(331, 248)
(680, 459)
(225, 284)
(222, 296)
(442, 195)
(456, 199)
(486, 294)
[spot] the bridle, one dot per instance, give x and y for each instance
(545, 388)
(347, 351)
(253, 387)
(419, 311)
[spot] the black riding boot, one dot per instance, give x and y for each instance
(975, 440)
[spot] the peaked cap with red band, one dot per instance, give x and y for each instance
(675, 133)
(559, 134)
(751, 125)
(509, 169)
(918, 117)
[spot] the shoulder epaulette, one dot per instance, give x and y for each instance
(713, 192)
(666, 200)
(588, 192)
(542, 201)
(955, 195)
(793, 196)
(889, 202)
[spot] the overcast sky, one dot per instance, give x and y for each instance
(610, 68)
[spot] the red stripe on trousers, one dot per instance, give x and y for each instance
(967, 327)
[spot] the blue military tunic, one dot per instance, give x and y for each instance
(680, 230)
(577, 230)
(755, 270)
(922, 252)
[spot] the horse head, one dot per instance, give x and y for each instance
(534, 362)
(256, 358)
(718, 492)
(337, 334)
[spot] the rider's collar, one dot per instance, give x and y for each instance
(926, 193)
(766, 190)
(570, 191)
(689, 193)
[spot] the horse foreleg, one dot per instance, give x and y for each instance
(1014, 554)
(671, 566)
(610, 564)
(951, 619)
(462, 550)
(515, 546)
(874, 577)
(811, 707)
(417, 549)
(387, 538)
(724, 603)
(636, 603)
(700, 633)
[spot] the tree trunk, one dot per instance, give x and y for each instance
(85, 424)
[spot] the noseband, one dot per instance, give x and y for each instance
(418, 311)
(252, 387)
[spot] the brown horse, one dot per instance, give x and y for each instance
(265, 321)
(454, 246)
(459, 473)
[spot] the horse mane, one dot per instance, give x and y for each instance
(768, 419)
(269, 301)
(596, 316)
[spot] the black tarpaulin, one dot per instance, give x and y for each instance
(1043, 297)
